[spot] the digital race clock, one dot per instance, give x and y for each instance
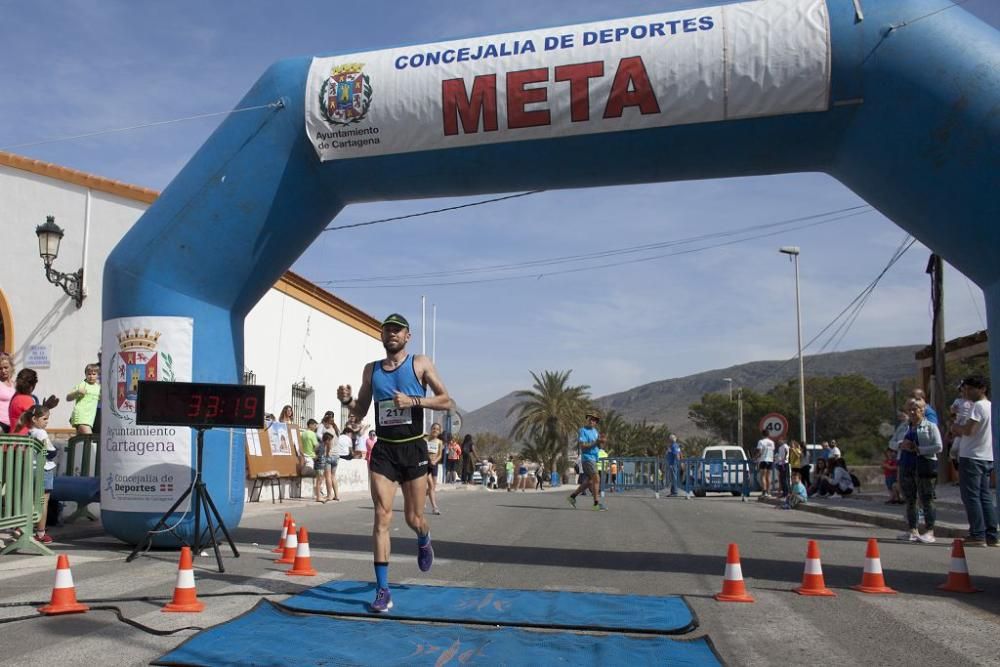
(200, 405)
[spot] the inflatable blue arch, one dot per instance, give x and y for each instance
(894, 98)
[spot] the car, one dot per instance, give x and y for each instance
(724, 470)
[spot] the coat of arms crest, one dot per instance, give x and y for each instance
(346, 95)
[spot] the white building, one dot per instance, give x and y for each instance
(302, 342)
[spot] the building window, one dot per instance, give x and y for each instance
(303, 402)
(249, 377)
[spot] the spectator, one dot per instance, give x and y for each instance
(673, 464)
(7, 390)
(435, 448)
(454, 457)
(369, 444)
(765, 462)
(918, 471)
(929, 412)
(490, 478)
(890, 470)
(781, 465)
(824, 453)
(822, 475)
(307, 457)
(540, 477)
(509, 469)
(839, 482)
(345, 444)
(328, 423)
(33, 422)
(24, 388)
(326, 463)
(614, 476)
(975, 462)
(835, 450)
(468, 458)
(795, 463)
(960, 410)
(286, 416)
(522, 474)
(86, 394)
(797, 494)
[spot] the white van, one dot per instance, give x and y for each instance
(719, 474)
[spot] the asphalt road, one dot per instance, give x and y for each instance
(536, 540)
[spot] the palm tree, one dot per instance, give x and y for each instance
(549, 414)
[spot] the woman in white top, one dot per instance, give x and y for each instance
(840, 481)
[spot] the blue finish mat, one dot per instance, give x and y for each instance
(540, 609)
(271, 635)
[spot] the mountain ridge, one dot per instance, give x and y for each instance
(667, 401)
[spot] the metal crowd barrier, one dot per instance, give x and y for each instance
(22, 487)
(79, 481)
(702, 476)
(633, 473)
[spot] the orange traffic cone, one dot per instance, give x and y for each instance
(291, 546)
(812, 577)
(185, 595)
(63, 599)
(733, 589)
(958, 575)
(284, 533)
(303, 562)
(872, 580)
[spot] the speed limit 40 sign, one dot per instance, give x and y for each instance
(774, 424)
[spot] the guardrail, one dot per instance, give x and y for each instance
(632, 473)
(79, 478)
(22, 487)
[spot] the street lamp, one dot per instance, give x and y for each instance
(49, 236)
(793, 254)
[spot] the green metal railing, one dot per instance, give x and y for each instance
(22, 487)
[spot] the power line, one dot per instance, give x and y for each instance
(850, 212)
(437, 210)
(594, 255)
(277, 104)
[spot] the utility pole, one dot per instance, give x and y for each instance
(935, 268)
(739, 416)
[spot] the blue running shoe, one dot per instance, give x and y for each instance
(383, 601)
(425, 557)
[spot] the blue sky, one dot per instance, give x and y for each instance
(76, 67)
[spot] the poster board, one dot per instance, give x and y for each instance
(274, 448)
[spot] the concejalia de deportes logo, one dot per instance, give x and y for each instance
(346, 96)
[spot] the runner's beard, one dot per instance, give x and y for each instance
(393, 346)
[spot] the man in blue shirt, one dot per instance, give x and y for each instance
(673, 463)
(587, 437)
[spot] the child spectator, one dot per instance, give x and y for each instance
(86, 394)
(33, 423)
(890, 469)
(287, 415)
(331, 459)
(797, 494)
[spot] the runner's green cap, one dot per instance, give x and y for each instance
(396, 319)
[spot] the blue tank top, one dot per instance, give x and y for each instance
(394, 424)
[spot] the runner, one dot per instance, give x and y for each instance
(588, 440)
(398, 385)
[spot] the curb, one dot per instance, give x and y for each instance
(941, 529)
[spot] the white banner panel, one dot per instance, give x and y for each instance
(762, 58)
(143, 468)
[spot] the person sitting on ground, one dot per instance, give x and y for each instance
(797, 494)
(820, 475)
(918, 471)
(890, 469)
(840, 481)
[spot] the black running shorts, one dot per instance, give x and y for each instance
(400, 462)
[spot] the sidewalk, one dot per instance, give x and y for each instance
(871, 508)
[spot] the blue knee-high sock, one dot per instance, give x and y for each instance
(423, 540)
(382, 575)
